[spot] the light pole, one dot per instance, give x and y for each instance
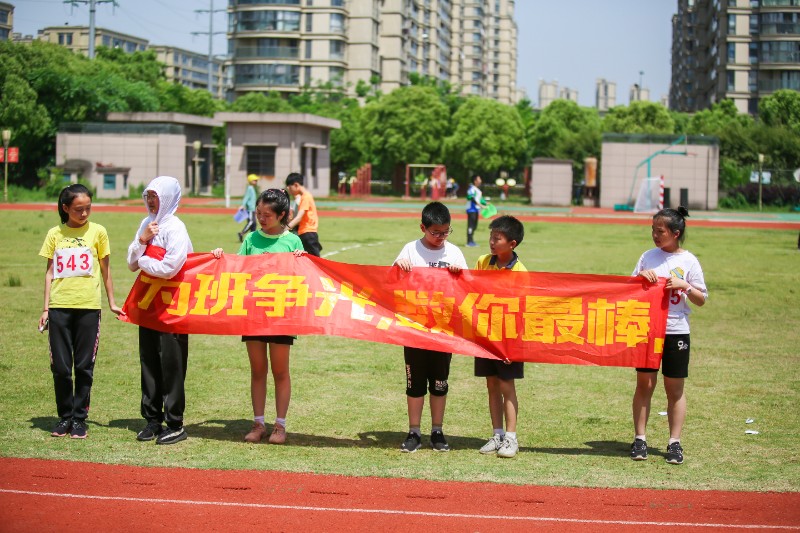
(6, 139)
(760, 177)
(197, 145)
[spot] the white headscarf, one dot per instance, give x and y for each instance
(169, 196)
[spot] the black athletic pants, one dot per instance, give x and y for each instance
(163, 357)
(472, 225)
(311, 243)
(74, 335)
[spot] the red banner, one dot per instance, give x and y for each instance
(519, 316)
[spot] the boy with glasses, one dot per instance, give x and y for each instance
(429, 368)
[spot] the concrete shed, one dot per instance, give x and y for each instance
(272, 145)
(133, 148)
(551, 182)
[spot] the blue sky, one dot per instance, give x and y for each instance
(573, 42)
(577, 41)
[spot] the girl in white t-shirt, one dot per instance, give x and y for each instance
(685, 283)
(77, 253)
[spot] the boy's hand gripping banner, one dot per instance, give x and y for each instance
(515, 316)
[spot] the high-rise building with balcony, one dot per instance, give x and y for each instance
(6, 21)
(740, 50)
(484, 58)
(283, 46)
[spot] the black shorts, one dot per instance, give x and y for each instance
(492, 367)
(311, 243)
(426, 369)
(675, 361)
(273, 339)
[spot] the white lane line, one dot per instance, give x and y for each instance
(398, 512)
(354, 247)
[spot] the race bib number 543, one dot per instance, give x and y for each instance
(72, 262)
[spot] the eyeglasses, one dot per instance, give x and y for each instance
(441, 234)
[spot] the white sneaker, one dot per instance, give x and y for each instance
(493, 445)
(509, 448)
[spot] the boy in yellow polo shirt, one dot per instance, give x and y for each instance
(506, 233)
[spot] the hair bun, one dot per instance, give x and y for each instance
(683, 211)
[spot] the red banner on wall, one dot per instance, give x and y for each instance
(519, 316)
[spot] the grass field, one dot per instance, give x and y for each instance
(348, 412)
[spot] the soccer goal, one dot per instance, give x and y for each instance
(651, 195)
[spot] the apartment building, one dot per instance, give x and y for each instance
(281, 47)
(740, 50)
(181, 66)
(285, 46)
(638, 93)
(76, 38)
(190, 68)
(6, 21)
(484, 60)
(548, 91)
(605, 95)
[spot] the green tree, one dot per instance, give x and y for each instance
(781, 108)
(564, 130)
(178, 98)
(138, 66)
(29, 123)
(639, 117)
(405, 126)
(528, 117)
(347, 144)
(487, 137)
(780, 145)
(735, 132)
(714, 121)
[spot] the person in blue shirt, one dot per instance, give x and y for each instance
(249, 205)
(475, 202)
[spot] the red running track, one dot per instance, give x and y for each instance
(582, 216)
(38, 495)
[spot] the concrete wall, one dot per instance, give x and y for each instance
(147, 156)
(697, 172)
(288, 133)
(551, 182)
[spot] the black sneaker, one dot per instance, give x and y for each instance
(150, 432)
(675, 453)
(78, 430)
(412, 443)
(639, 450)
(62, 428)
(171, 436)
(438, 442)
